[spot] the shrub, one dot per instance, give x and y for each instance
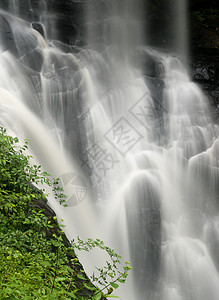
(37, 261)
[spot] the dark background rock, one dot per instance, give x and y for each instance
(205, 72)
(204, 42)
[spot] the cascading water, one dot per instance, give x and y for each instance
(131, 138)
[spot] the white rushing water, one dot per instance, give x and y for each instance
(131, 138)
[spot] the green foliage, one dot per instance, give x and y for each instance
(36, 262)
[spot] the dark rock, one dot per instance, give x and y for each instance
(205, 72)
(39, 27)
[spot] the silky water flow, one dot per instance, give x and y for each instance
(131, 138)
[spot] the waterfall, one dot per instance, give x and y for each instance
(13, 7)
(181, 32)
(128, 133)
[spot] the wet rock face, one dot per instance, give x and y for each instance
(142, 202)
(205, 72)
(6, 37)
(17, 37)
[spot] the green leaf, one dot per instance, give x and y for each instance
(97, 296)
(60, 278)
(114, 285)
(91, 288)
(81, 277)
(121, 280)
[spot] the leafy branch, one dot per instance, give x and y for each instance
(110, 276)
